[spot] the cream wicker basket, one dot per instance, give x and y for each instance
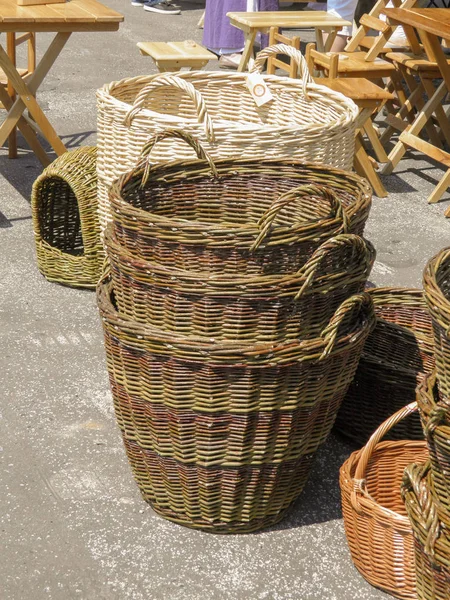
(304, 120)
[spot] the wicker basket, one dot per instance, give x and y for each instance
(65, 220)
(378, 531)
(431, 542)
(252, 218)
(304, 120)
(220, 436)
(397, 355)
(435, 415)
(436, 285)
(251, 309)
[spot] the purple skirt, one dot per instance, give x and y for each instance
(218, 33)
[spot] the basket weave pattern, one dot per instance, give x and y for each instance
(436, 285)
(378, 531)
(251, 309)
(304, 121)
(431, 543)
(396, 357)
(267, 409)
(65, 220)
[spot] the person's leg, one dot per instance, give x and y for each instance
(345, 9)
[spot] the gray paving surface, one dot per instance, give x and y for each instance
(73, 525)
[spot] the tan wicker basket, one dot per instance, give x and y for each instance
(221, 436)
(253, 308)
(431, 540)
(252, 217)
(304, 120)
(436, 286)
(378, 531)
(435, 414)
(65, 220)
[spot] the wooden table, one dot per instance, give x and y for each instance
(252, 23)
(431, 24)
(63, 20)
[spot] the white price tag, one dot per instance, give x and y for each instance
(258, 89)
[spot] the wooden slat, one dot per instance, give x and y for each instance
(433, 20)
(305, 18)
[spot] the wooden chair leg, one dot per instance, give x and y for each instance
(364, 167)
(11, 51)
(380, 152)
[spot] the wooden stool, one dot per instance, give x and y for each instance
(369, 98)
(173, 56)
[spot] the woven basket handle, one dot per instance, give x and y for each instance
(346, 314)
(305, 75)
(303, 191)
(362, 251)
(181, 84)
(144, 159)
(414, 479)
(359, 480)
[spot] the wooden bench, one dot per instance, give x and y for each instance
(173, 56)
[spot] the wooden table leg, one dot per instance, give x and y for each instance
(11, 50)
(247, 54)
(419, 123)
(27, 131)
(26, 93)
(326, 46)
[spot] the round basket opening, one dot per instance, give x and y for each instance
(59, 216)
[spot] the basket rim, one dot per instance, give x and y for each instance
(221, 352)
(349, 110)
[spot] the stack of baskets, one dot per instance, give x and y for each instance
(304, 121)
(234, 320)
(385, 535)
(427, 487)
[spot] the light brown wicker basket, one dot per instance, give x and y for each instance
(378, 531)
(304, 120)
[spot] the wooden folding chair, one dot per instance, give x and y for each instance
(273, 63)
(12, 41)
(367, 96)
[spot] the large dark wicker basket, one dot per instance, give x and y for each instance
(431, 540)
(252, 309)
(237, 216)
(65, 220)
(220, 436)
(397, 355)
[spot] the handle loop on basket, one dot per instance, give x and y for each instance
(363, 250)
(266, 221)
(414, 478)
(144, 159)
(344, 313)
(359, 480)
(181, 84)
(305, 75)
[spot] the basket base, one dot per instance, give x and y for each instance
(218, 499)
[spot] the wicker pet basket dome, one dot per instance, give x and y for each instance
(304, 120)
(431, 540)
(65, 220)
(250, 217)
(378, 531)
(398, 354)
(221, 436)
